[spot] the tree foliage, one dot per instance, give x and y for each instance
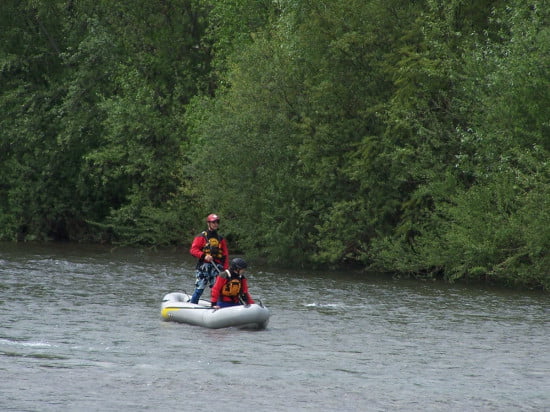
(410, 137)
(93, 136)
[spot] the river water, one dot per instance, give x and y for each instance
(81, 331)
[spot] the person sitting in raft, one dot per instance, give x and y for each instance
(231, 287)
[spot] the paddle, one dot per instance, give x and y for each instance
(216, 267)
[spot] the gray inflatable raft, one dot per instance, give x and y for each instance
(175, 307)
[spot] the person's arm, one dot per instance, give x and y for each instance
(197, 246)
(244, 291)
(216, 289)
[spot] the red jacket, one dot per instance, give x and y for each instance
(221, 280)
(197, 250)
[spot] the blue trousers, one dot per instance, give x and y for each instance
(227, 304)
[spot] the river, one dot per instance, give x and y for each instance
(81, 331)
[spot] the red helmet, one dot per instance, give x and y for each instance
(212, 218)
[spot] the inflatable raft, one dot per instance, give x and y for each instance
(176, 307)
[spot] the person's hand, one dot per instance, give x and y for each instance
(208, 258)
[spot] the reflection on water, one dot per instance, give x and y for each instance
(81, 330)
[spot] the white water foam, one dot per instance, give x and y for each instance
(26, 344)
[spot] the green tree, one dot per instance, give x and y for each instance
(94, 97)
(301, 97)
(491, 220)
(500, 225)
(143, 148)
(38, 166)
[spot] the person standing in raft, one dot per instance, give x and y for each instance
(210, 249)
(231, 287)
